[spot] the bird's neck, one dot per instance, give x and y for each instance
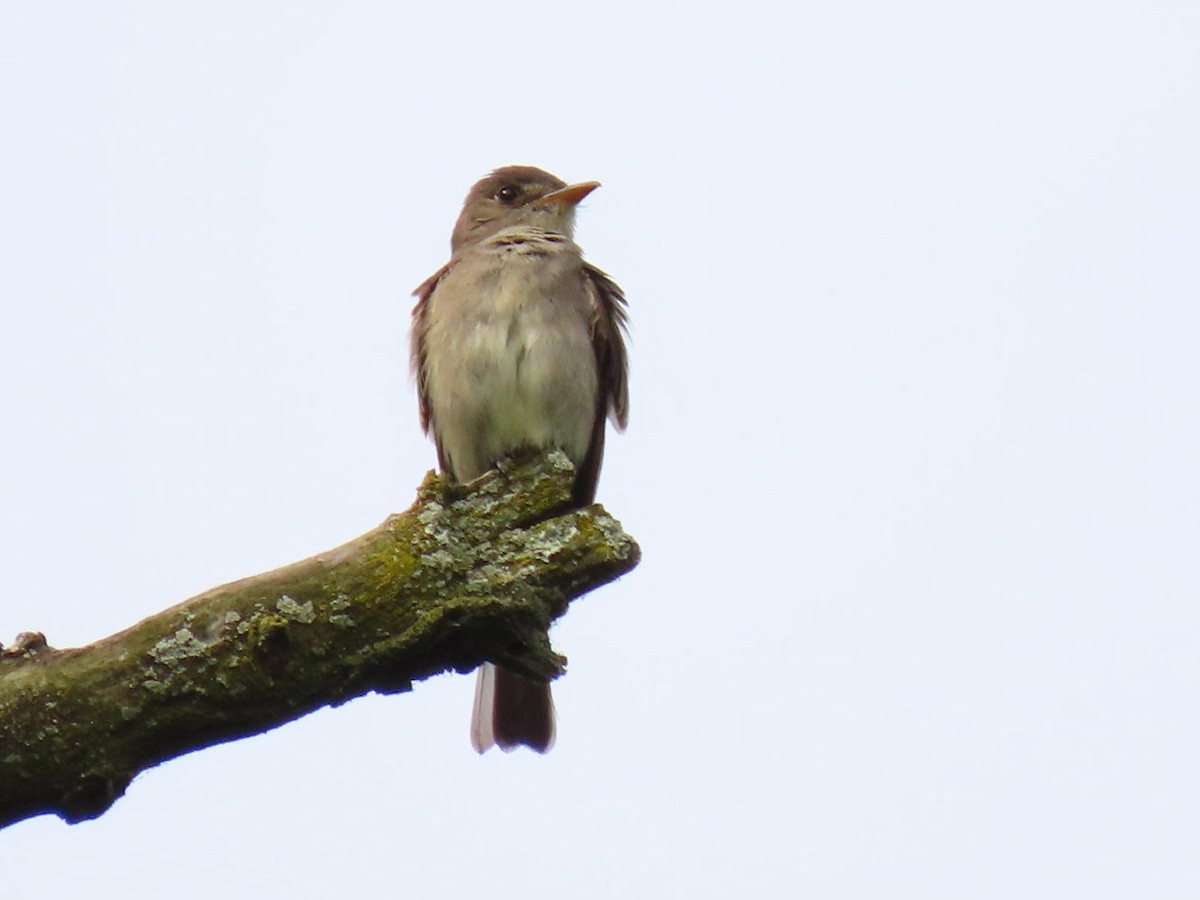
(527, 240)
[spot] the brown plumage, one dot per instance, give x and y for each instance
(517, 344)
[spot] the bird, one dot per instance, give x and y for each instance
(518, 344)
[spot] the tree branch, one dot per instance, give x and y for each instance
(467, 575)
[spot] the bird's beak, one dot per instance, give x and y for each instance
(568, 196)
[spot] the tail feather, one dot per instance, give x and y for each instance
(511, 711)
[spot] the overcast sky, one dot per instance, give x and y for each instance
(912, 451)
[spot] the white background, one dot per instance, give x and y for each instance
(912, 455)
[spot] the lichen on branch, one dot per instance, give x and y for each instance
(468, 574)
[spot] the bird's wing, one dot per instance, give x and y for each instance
(420, 327)
(609, 328)
(612, 368)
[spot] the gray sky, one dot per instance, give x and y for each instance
(911, 457)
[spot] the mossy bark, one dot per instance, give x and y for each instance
(467, 575)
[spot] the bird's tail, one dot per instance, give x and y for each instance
(511, 710)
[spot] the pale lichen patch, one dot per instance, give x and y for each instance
(297, 612)
(560, 461)
(440, 559)
(614, 536)
(430, 516)
(171, 651)
(550, 538)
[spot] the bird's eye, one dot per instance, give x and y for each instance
(507, 194)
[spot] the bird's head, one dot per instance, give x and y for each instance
(518, 195)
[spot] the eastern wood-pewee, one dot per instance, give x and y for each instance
(517, 344)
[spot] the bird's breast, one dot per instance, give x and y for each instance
(509, 363)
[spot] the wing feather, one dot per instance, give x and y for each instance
(609, 327)
(417, 335)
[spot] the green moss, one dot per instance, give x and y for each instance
(265, 630)
(472, 572)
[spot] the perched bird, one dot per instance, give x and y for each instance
(517, 344)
